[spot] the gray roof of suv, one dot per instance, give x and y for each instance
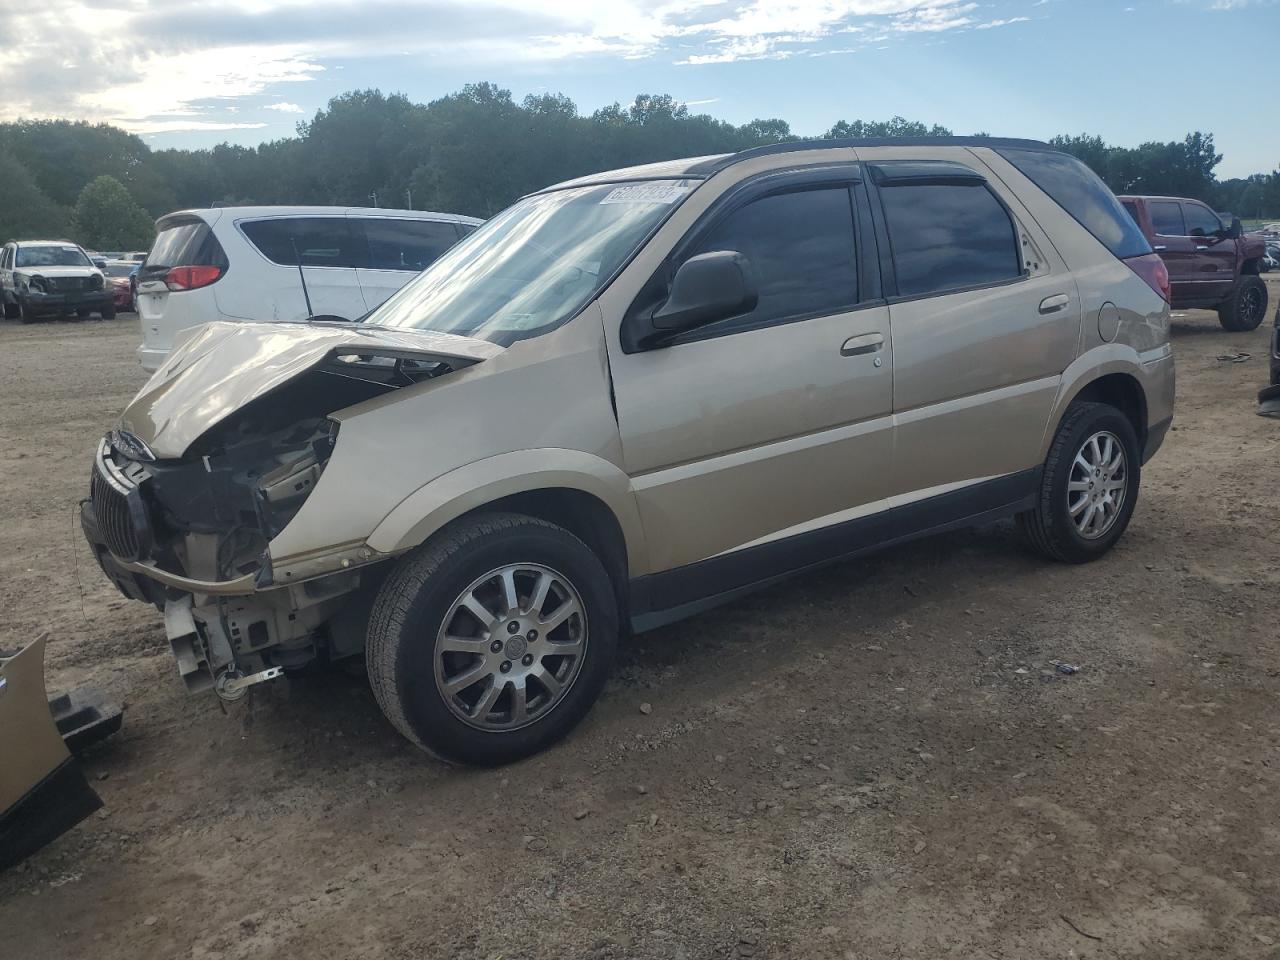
(702, 167)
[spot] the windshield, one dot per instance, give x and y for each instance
(51, 257)
(534, 265)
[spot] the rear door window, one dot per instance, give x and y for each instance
(801, 249)
(411, 245)
(315, 241)
(948, 236)
(1080, 192)
(1166, 218)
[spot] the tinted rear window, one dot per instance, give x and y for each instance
(948, 237)
(1079, 191)
(1166, 218)
(184, 243)
(318, 241)
(407, 244)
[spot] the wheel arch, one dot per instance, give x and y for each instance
(1115, 377)
(1125, 393)
(588, 496)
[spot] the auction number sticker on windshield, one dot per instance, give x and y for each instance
(646, 193)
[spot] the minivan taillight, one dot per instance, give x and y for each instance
(1152, 269)
(191, 278)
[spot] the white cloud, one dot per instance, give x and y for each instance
(183, 64)
(1003, 23)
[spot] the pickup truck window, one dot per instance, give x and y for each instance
(1166, 218)
(1201, 221)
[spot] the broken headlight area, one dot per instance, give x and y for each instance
(211, 514)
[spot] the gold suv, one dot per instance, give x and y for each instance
(629, 397)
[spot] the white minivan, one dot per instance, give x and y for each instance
(281, 263)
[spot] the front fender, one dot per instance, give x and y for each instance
(481, 482)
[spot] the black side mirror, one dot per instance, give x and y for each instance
(100, 263)
(1236, 230)
(706, 288)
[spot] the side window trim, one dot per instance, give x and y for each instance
(767, 184)
(973, 180)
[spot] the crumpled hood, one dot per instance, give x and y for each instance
(56, 271)
(219, 367)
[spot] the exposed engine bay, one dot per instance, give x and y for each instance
(181, 533)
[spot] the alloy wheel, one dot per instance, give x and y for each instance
(511, 646)
(1098, 484)
(1251, 305)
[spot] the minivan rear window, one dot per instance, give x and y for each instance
(1080, 192)
(318, 241)
(407, 244)
(184, 243)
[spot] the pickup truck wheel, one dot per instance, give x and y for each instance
(1246, 307)
(1089, 487)
(10, 310)
(24, 312)
(492, 640)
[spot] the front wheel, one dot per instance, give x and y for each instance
(1246, 306)
(24, 312)
(109, 312)
(493, 640)
(1089, 487)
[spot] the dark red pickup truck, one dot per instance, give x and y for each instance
(1212, 265)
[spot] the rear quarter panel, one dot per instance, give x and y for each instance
(1125, 324)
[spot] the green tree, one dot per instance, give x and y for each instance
(107, 218)
(26, 212)
(893, 127)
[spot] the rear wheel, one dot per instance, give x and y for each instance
(1089, 487)
(109, 312)
(1246, 307)
(493, 640)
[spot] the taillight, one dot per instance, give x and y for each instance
(1152, 269)
(191, 278)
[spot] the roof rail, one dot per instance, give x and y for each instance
(717, 164)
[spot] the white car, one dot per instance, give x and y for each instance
(250, 263)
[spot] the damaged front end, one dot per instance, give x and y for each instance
(192, 533)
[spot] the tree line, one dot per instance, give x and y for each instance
(472, 152)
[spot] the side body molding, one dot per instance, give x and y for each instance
(480, 482)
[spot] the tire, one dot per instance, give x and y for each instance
(84, 314)
(10, 310)
(409, 666)
(1052, 527)
(1246, 307)
(109, 312)
(24, 314)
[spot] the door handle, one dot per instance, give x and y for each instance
(862, 344)
(1055, 303)
(1159, 246)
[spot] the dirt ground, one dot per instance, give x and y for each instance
(876, 761)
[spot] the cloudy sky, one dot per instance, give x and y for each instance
(191, 73)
